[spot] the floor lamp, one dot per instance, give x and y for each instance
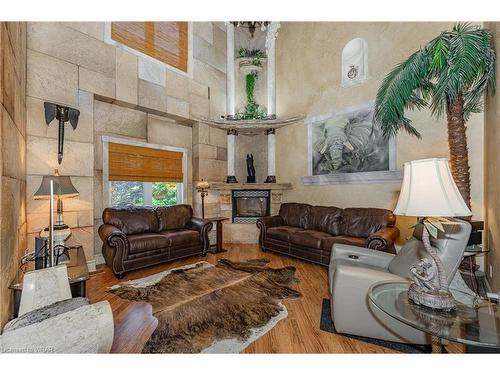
(202, 188)
(61, 187)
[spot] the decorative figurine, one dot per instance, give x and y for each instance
(250, 169)
(424, 274)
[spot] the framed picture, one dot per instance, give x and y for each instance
(346, 147)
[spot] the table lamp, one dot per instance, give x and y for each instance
(202, 188)
(429, 192)
(63, 188)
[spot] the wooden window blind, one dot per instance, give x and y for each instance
(164, 41)
(134, 163)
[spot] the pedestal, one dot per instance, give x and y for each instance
(271, 156)
(231, 143)
(272, 32)
(230, 74)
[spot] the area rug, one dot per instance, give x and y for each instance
(327, 325)
(212, 308)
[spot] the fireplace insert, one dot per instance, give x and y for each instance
(249, 205)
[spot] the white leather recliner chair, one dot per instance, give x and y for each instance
(50, 321)
(353, 270)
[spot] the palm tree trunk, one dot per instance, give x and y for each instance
(457, 143)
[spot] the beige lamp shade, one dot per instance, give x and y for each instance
(428, 190)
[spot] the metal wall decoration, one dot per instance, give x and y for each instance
(353, 71)
(62, 114)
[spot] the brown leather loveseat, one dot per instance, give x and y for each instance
(309, 232)
(138, 237)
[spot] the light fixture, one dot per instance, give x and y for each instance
(428, 191)
(202, 188)
(252, 25)
(63, 188)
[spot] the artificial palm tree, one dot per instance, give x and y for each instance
(449, 75)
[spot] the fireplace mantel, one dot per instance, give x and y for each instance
(245, 186)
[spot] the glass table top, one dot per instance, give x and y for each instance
(475, 321)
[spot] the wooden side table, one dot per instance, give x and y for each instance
(218, 224)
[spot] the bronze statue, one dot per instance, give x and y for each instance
(250, 169)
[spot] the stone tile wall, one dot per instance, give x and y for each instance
(117, 93)
(12, 158)
(492, 175)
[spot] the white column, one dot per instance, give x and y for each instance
(230, 80)
(271, 156)
(231, 144)
(272, 32)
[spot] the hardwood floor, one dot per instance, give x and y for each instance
(298, 333)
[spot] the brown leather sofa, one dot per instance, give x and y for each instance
(309, 232)
(139, 237)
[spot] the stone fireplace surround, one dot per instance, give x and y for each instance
(220, 198)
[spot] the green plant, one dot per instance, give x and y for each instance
(252, 110)
(449, 75)
(256, 55)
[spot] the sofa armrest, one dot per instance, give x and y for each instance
(197, 224)
(115, 239)
(271, 221)
(203, 227)
(107, 231)
(352, 310)
(360, 255)
(264, 223)
(383, 239)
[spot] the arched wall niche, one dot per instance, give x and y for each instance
(354, 62)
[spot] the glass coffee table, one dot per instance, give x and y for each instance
(475, 321)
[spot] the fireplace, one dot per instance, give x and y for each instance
(249, 205)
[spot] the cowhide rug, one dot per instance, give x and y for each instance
(207, 308)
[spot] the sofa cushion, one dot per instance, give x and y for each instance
(308, 238)
(327, 243)
(295, 214)
(361, 222)
(282, 233)
(325, 219)
(146, 242)
(131, 220)
(173, 217)
(182, 237)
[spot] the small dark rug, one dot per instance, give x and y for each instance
(327, 325)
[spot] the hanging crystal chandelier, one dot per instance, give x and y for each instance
(252, 25)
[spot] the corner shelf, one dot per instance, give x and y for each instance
(251, 127)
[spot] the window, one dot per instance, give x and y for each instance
(134, 193)
(141, 174)
(163, 41)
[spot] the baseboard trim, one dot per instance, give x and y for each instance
(99, 259)
(91, 265)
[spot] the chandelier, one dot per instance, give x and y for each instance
(252, 25)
